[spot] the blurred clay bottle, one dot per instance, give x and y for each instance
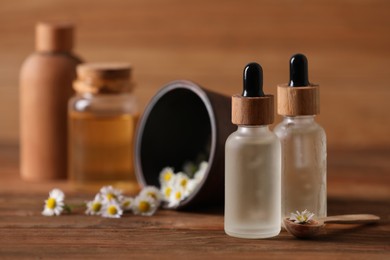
(45, 87)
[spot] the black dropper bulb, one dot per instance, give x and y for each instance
(253, 80)
(299, 75)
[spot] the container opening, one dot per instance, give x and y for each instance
(177, 130)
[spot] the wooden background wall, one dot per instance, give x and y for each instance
(347, 43)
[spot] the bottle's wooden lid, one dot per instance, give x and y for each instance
(298, 101)
(108, 77)
(54, 36)
(252, 110)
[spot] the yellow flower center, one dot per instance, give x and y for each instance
(152, 194)
(168, 191)
(112, 210)
(96, 206)
(167, 176)
(302, 218)
(110, 196)
(178, 195)
(183, 182)
(51, 203)
(144, 206)
(126, 203)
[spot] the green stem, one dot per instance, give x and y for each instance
(70, 207)
(67, 209)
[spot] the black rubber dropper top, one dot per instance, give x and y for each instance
(253, 80)
(299, 75)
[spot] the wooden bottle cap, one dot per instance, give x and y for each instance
(54, 36)
(298, 101)
(252, 110)
(109, 77)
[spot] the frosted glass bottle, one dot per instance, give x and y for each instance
(303, 165)
(252, 163)
(252, 183)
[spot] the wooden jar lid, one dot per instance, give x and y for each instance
(252, 110)
(298, 101)
(54, 36)
(110, 77)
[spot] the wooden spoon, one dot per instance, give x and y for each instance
(316, 227)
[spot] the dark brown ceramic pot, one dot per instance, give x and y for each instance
(181, 120)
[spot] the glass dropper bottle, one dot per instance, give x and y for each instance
(303, 143)
(252, 163)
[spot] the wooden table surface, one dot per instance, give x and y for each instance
(358, 182)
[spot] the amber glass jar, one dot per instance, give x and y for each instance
(102, 121)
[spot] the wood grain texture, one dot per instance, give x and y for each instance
(111, 77)
(253, 110)
(298, 101)
(209, 42)
(357, 183)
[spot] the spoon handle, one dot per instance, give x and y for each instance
(352, 219)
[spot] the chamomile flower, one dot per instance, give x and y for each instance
(182, 182)
(153, 193)
(144, 205)
(95, 206)
(302, 217)
(191, 186)
(203, 165)
(175, 187)
(201, 171)
(54, 205)
(112, 210)
(127, 203)
(166, 192)
(167, 176)
(175, 198)
(110, 194)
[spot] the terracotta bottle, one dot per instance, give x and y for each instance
(45, 86)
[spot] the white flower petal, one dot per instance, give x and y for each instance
(177, 195)
(166, 192)
(47, 212)
(167, 176)
(199, 175)
(181, 181)
(127, 203)
(301, 217)
(144, 205)
(112, 210)
(95, 206)
(57, 194)
(110, 194)
(54, 205)
(152, 192)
